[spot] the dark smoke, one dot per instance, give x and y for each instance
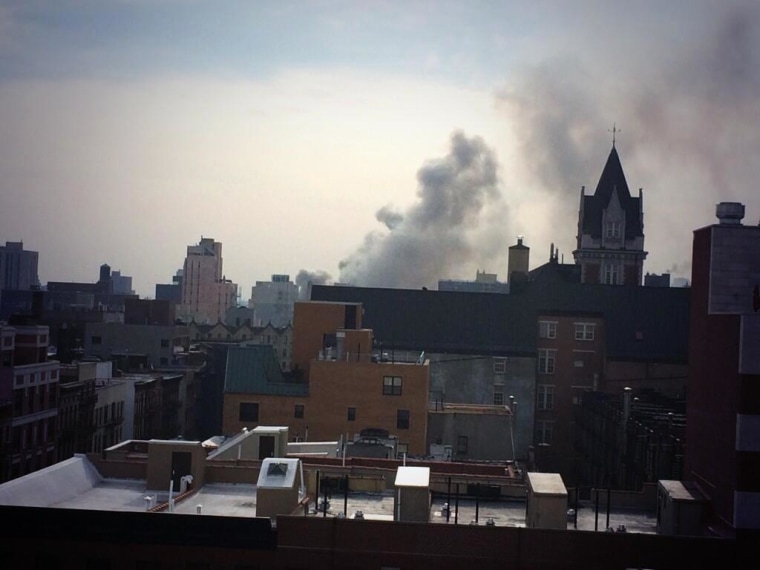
(306, 278)
(687, 102)
(445, 232)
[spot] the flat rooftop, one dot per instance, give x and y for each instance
(75, 484)
(509, 512)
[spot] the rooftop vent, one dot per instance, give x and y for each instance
(730, 213)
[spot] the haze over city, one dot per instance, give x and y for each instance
(378, 143)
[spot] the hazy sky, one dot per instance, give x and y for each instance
(378, 142)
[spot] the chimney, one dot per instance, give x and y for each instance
(730, 213)
(518, 260)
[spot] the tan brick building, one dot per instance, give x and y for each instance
(345, 389)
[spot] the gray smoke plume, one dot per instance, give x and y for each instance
(687, 102)
(448, 229)
(306, 278)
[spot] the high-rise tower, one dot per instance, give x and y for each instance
(206, 294)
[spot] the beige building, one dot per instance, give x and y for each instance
(206, 293)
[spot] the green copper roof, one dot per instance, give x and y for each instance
(255, 370)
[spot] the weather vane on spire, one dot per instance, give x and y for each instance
(614, 131)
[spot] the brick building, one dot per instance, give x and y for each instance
(723, 404)
(571, 356)
(345, 387)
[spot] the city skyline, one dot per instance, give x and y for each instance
(333, 137)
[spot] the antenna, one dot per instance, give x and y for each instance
(614, 131)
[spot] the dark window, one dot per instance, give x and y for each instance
(349, 322)
(249, 412)
(462, 445)
(298, 411)
(351, 414)
(96, 340)
(164, 343)
(392, 385)
(402, 419)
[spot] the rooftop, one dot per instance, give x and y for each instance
(76, 484)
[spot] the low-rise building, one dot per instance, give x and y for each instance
(29, 386)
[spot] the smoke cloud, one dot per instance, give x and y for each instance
(306, 278)
(449, 228)
(686, 137)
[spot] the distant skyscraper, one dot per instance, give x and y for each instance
(18, 268)
(206, 294)
(611, 230)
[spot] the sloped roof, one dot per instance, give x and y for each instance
(254, 369)
(612, 180)
(641, 323)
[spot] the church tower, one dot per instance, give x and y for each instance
(610, 246)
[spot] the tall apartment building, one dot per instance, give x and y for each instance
(610, 240)
(723, 403)
(18, 267)
(206, 293)
(29, 401)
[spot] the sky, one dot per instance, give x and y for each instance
(379, 143)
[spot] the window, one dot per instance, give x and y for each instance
(298, 412)
(611, 274)
(499, 365)
(402, 419)
(498, 398)
(547, 329)
(462, 445)
(19, 379)
(546, 360)
(249, 412)
(545, 397)
(612, 229)
(391, 385)
(544, 431)
(164, 343)
(584, 331)
(351, 416)
(96, 340)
